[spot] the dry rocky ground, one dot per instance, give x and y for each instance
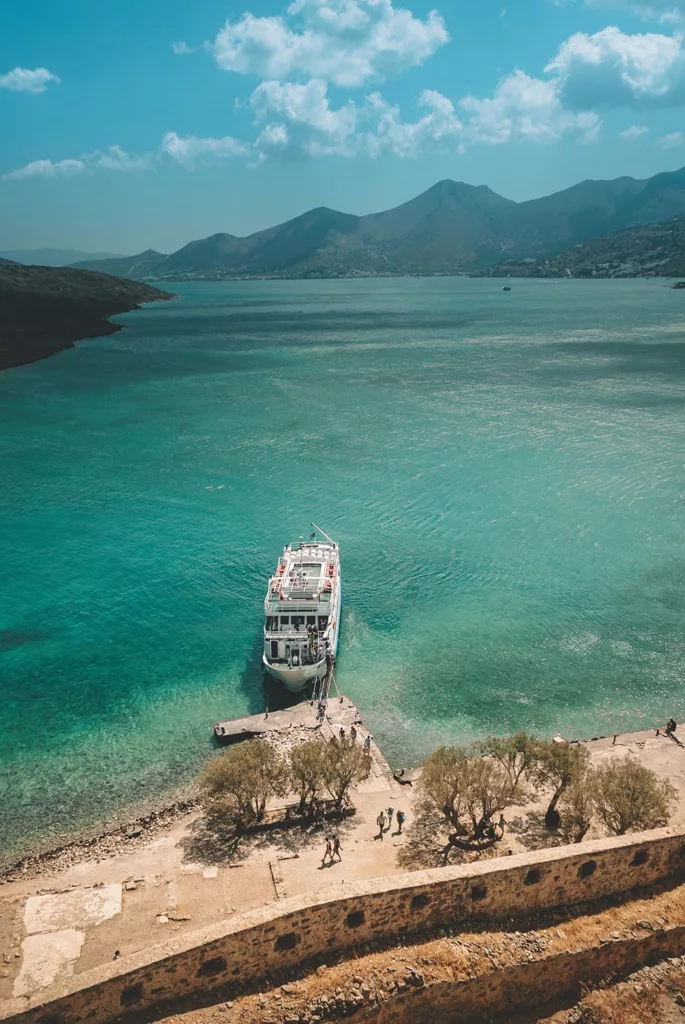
(652, 995)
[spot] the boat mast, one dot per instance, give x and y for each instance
(319, 530)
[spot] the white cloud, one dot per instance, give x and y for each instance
(611, 68)
(24, 80)
(526, 109)
(359, 39)
(436, 131)
(182, 49)
(112, 159)
(301, 122)
(347, 42)
(672, 140)
(633, 133)
(273, 138)
(191, 151)
(664, 11)
(308, 125)
(48, 169)
(117, 159)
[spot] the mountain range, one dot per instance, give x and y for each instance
(452, 228)
(52, 257)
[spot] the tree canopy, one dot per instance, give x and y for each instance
(517, 754)
(629, 796)
(557, 766)
(468, 789)
(241, 779)
(308, 763)
(345, 765)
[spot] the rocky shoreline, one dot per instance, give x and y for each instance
(110, 841)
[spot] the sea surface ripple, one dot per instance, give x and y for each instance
(504, 472)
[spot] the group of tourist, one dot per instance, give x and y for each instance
(342, 732)
(384, 821)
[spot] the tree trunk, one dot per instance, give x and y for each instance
(552, 816)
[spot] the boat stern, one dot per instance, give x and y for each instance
(294, 679)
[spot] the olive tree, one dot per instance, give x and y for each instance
(345, 765)
(308, 770)
(488, 789)
(557, 766)
(240, 780)
(443, 781)
(468, 790)
(630, 796)
(578, 806)
(517, 754)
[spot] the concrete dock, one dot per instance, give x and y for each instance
(301, 716)
(301, 722)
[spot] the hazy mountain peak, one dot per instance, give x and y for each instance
(219, 236)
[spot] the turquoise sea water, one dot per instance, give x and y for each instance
(505, 474)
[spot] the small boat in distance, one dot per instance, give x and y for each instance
(302, 612)
(507, 287)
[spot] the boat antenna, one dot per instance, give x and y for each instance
(319, 530)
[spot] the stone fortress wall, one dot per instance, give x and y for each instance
(265, 942)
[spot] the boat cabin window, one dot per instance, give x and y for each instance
(311, 620)
(274, 648)
(285, 620)
(323, 622)
(271, 623)
(298, 621)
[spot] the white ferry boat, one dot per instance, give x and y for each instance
(302, 612)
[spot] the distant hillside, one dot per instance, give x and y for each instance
(654, 250)
(137, 267)
(447, 229)
(452, 228)
(52, 257)
(45, 309)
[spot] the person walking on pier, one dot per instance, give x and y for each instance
(381, 821)
(367, 744)
(353, 734)
(336, 849)
(391, 811)
(328, 854)
(401, 818)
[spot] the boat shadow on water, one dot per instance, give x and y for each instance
(263, 692)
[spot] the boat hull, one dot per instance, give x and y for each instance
(295, 679)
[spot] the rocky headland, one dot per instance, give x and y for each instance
(46, 309)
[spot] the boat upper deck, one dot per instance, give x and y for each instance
(304, 574)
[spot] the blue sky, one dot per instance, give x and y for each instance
(147, 123)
